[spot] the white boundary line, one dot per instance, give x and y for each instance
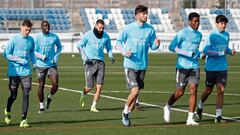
(164, 92)
(142, 103)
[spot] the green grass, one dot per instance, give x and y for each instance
(66, 117)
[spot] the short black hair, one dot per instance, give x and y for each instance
(45, 21)
(221, 18)
(192, 15)
(27, 23)
(140, 9)
(100, 21)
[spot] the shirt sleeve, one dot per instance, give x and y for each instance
(152, 39)
(208, 47)
(36, 49)
(174, 46)
(121, 41)
(32, 55)
(109, 48)
(59, 48)
(82, 43)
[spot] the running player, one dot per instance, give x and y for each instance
(186, 45)
(216, 66)
(91, 48)
(134, 42)
(19, 51)
(46, 62)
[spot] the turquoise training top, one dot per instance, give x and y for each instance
(185, 43)
(19, 52)
(216, 49)
(137, 39)
(45, 45)
(93, 48)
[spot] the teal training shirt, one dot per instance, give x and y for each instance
(19, 52)
(185, 43)
(216, 49)
(93, 48)
(137, 39)
(45, 45)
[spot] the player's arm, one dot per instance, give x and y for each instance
(173, 47)
(208, 50)
(109, 50)
(120, 42)
(59, 49)
(82, 43)
(154, 41)
(32, 54)
(230, 51)
(9, 51)
(36, 51)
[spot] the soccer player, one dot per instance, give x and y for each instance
(46, 62)
(216, 66)
(186, 45)
(91, 47)
(133, 43)
(19, 51)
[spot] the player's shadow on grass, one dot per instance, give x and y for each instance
(205, 104)
(179, 123)
(68, 110)
(212, 120)
(111, 109)
(160, 124)
(43, 123)
(148, 107)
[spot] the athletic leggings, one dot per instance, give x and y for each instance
(25, 82)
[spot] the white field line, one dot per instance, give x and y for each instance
(164, 92)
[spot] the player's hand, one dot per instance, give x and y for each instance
(157, 41)
(196, 55)
(55, 59)
(233, 52)
(128, 53)
(34, 67)
(88, 62)
(44, 57)
(112, 61)
(203, 56)
(221, 53)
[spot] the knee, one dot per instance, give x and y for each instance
(13, 96)
(26, 95)
(220, 89)
(41, 87)
(179, 92)
(193, 92)
(209, 90)
(55, 86)
(134, 92)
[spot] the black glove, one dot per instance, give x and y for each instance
(88, 62)
(112, 61)
(34, 67)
